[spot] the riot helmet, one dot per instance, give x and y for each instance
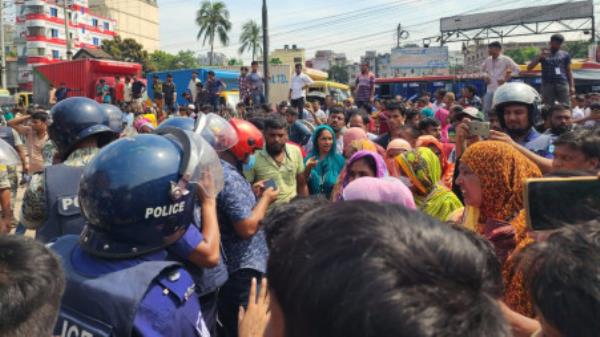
(115, 117)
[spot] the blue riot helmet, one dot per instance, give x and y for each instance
(115, 117)
(136, 195)
(75, 119)
(184, 123)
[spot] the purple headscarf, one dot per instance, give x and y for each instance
(389, 190)
(381, 167)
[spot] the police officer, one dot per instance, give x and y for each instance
(79, 128)
(136, 203)
(240, 214)
(208, 278)
(517, 106)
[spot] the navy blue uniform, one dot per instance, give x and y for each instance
(141, 296)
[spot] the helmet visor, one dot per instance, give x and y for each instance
(216, 131)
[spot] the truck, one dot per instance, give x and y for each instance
(81, 76)
(181, 78)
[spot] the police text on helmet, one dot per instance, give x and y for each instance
(164, 211)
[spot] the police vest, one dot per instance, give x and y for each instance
(106, 306)
(6, 134)
(63, 215)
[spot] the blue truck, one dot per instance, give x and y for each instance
(182, 77)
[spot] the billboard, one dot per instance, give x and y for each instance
(420, 58)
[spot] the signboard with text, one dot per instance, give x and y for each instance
(420, 58)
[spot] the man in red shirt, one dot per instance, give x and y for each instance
(119, 91)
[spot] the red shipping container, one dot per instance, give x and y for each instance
(81, 76)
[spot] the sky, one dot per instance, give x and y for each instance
(348, 26)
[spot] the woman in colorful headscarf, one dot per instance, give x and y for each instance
(361, 164)
(437, 147)
(388, 190)
(323, 164)
(395, 148)
(492, 179)
(422, 173)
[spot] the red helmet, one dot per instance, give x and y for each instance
(249, 139)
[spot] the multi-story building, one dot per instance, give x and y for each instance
(289, 55)
(219, 59)
(138, 19)
(41, 34)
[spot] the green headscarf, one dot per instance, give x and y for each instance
(423, 169)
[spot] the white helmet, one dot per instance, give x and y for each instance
(517, 92)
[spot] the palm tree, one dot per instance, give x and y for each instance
(213, 20)
(251, 38)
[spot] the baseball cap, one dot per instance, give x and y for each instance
(470, 112)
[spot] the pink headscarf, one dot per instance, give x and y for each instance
(389, 190)
(141, 122)
(353, 134)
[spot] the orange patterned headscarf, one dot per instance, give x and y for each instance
(502, 171)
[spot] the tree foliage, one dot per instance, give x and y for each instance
(522, 55)
(184, 59)
(234, 62)
(577, 49)
(251, 39)
(213, 20)
(339, 74)
(275, 60)
(127, 50)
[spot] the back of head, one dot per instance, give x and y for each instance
(562, 276)
(31, 286)
(379, 270)
(283, 216)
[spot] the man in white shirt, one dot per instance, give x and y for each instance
(314, 114)
(497, 69)
(299, 82)
(192, 84)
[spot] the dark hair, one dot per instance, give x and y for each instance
(557, 38)
(40, 116)
(411, 114)
(406, 274)
(211, 73)
(493, 282)
(495, 44)
(428, 122)
(275, 123)
(336, 110)
(195, 72)
(583, 140)
(286, 215)
(169, 75)
(31, 286)
(557, 108)
(254, 63)
(292, 111)
(441, 92)
(396, 106)
(412, 132)
(471, 88)
(298, 65)
(362, 115)
(561, 275)
(257, 121)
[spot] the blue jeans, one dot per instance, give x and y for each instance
(258, 99)
(233, 294)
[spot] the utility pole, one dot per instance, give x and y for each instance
(265, 26)
(67, 37)
(3, 52)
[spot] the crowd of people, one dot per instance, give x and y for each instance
(365, 217)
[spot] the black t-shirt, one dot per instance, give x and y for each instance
(136, 89)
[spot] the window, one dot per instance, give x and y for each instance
(96, 41)
(53, 12)
(95, 22)
(55, 54)
(53, 33)
(297, 60)
(106, 26)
